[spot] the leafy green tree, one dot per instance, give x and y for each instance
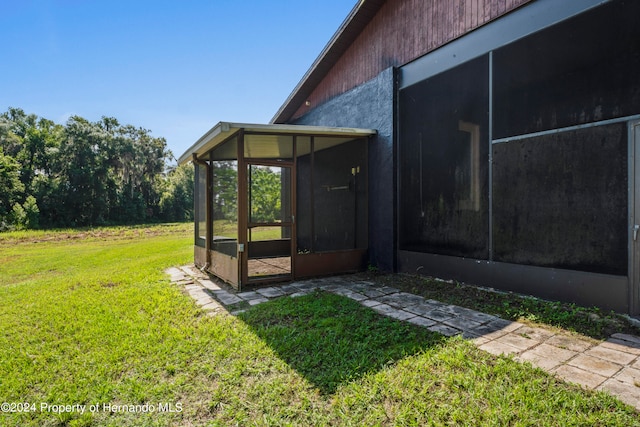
(12, 187)
(34, 143)
(176, 199)
(86, 173)
(13, 127)
(48, 190)
(225, 190)
(265, 194)
(26, 216)
(39, 142)
(138, 161)
(83, 168)
(32, 218)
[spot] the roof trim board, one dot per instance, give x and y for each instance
(223, 130)
(522, 22)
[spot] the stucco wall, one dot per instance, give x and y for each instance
(370, 106)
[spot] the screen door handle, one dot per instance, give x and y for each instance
(635, 232)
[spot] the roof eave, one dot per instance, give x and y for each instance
(223, 130)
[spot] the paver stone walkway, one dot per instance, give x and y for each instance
(612, 365)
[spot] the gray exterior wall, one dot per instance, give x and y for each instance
(371, 106)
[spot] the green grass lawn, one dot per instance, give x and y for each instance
(88, 318)
(229, 230)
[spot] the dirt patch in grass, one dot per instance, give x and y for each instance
(97, 233)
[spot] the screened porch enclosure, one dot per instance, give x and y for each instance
(279, 202)
(518, 167)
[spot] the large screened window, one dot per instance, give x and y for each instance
(224, 166)
(560, 200)
(443, 162)
(200, 202)
(332, 195)
(545, 182)
(561, 186)
(580, 71)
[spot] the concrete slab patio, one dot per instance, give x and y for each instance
(612, 365)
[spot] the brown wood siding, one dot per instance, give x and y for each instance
(402, 31)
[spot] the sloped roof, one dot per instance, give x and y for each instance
(223, 130)
(358, 18)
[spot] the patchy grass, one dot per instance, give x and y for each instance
(93, 233)
(590, 321)
(372, 370)
(92, 320)
(229, 229)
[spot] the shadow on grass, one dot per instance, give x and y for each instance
(331, 339)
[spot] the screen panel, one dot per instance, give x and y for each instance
(561, 200)
(444, 163)
(579, 71)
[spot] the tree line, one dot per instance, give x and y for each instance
(87, 173)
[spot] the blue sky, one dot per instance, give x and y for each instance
(173, 67)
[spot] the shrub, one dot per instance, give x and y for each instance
(26, 216)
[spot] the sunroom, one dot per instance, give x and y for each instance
(279, 202)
